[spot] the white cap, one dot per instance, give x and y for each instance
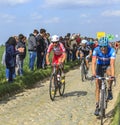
(55, 38)
(84, 41)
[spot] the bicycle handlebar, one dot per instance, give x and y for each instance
(104, 78)
(55, 65)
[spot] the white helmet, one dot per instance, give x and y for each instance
(84, 41)
(54, 38)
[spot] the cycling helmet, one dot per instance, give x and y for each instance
(103, 41)
(54, 38)
(84, 41)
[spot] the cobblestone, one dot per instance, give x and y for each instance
(34, 107)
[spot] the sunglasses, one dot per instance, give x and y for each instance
(55, 42)
(103, 47)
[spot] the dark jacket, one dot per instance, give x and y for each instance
(10, 56)
(32, 44)
(21, 44)
(40, 44)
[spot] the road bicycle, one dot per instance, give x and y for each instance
(83, 69)
(57, 82)
(103, 95)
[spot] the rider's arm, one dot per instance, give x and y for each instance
(112, 62)
(112, 65)
(77, 53)
(48, 53)
(94, 59)
(64, 57)
(90, 53)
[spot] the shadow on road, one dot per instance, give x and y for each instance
(75, 93)
(110, 114)
(107, 116)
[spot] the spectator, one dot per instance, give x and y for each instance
(68, 48)
(6, 70)
(73, 46)
(62, 40)
(10, 57)
(40, 48)
(32, 48)
(78, 39)
(21, 56)
(47, 42)
(17, 57)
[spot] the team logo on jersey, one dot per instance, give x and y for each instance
(94, 52)
(113, 54)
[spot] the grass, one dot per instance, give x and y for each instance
(2, 68)
(116, 114)
(116, 117)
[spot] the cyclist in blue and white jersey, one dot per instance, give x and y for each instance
(103, 60)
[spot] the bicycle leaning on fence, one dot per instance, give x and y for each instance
(57, 82)
(103, 95)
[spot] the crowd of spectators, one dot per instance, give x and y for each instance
(38, 42)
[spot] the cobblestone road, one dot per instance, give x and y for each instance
(76, 107)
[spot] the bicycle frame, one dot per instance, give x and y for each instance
(55, 82)
(103, 96)
(83, 69)
(54, 73)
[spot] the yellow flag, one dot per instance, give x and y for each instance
(100, 34)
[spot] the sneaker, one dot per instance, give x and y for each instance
(110, 95)
(97, 111)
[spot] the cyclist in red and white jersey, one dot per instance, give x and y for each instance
(59, 52)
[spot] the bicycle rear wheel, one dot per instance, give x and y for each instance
(61, 84)
(82, 70)
(61, 87)
(52, 87)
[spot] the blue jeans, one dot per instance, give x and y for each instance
(20, 67)
(10, 74)
(32, 57)
(7, 74)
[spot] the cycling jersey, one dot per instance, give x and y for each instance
(57, 50)
(104, 59)
(85, 50)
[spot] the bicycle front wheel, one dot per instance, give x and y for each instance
(52, 87)
(61, 87)
(102, 106)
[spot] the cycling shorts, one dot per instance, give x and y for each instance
(57, 59)
(101, 69)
